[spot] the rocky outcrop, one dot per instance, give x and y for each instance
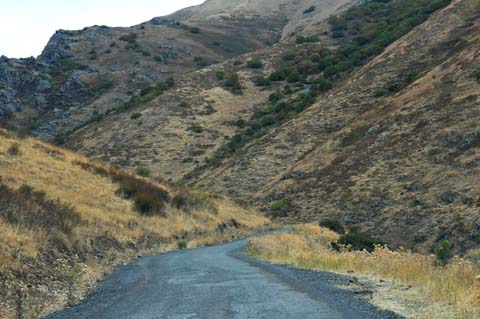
(73, 92)
(9, 103)
(57, 48)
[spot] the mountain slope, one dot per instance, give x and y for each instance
(83, 76)
(396, 163)
(66, 220)
(385, 149)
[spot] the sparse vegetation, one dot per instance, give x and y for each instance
(143, 171)
(26, 207)
(328, 65)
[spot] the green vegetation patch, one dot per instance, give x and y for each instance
(255, 64)
(309, 70)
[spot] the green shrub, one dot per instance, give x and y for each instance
(358, 240)
(444, 252)
(278, 75)
(149, 205)
(149, 199)
(197, 128)
(201, 62)
(333, 224)
(183, 104)
(182, 244)
(476, 74)
(233, 81)
(241, 123)
(277, 205)
(130, 38)
(220, 75)
(191, 200)
(101, 85)
(255, 64)
(294, 77)
(143, 171)
(194, 30)
(306, 39)
(275, 96)
(268, 120)
(135, 115)
(261, 81)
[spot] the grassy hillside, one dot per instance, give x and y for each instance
(65, 220)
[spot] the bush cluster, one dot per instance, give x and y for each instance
(358, 240)
(255, 64)
(149, 199)
(232, 81)
(333, 224)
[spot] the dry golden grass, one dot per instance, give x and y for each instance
(104, 214)
(454, 288)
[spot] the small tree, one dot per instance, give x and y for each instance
(220, 75)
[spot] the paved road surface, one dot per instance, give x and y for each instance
(219, 282)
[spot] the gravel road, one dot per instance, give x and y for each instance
(219, 282)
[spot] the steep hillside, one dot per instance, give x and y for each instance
(393, 148)
(66, 220)
(361, 123)
(83, 76)
(368, 116)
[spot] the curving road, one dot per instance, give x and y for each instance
(219, 282)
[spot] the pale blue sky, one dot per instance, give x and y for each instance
(26, 25)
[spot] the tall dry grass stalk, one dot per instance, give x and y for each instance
(455, 284)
